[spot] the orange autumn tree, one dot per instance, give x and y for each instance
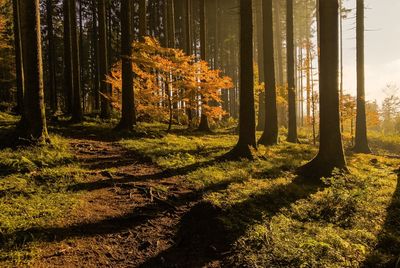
(168, 83)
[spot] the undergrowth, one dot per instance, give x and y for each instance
(279, 220)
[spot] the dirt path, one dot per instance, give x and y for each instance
(138, 216)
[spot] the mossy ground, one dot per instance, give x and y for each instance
(275, 219)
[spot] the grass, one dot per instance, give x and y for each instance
(275, 219)
(33, 194)
(278, 222)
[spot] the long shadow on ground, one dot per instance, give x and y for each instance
(203, 237)
(387, 251)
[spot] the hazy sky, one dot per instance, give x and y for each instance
(382, 47)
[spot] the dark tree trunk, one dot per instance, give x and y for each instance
(142, 19)
(270, 135)
(189, 51)
(103, 60)
(68, 78)
(278, 42)
(95, 45)
(361, 140)
(331, 155)
(77, 114)
(32, 126)
(261, 65)
(128, 119)
(247, 120)
(52, 87)
(19, 66)
(292, 128)
(204, 123)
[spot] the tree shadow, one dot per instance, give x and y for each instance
(140, 215)
(204, 236)
(387, 252)
(165, 174)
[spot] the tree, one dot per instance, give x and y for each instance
(247, 120)
(68, 75)
(103, 60)
(330, 155)
(18, 56)
(270, 134)
(292, 127)
(361, 141)
(204, 123)
(51, 58)
(128, 118)
(32, 126)
(142, 18)
(77, 113)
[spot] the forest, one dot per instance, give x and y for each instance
(196, 133)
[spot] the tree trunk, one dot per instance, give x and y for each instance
(331, 155)
(261, 64)
(68, 78)
(51, 58)
(292, 128)
(361, 145)
(32, 127)
(128, 119)
(142, 19)
(204, 123)
(77, 114)
(247, 120)
(270, 135)
(19, 66)
(95, 45)
(103, 60)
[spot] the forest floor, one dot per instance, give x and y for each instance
(99, 199)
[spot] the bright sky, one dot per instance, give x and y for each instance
(382, 47)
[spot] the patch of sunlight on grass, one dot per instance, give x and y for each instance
(34, 184)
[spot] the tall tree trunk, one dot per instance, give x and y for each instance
(261, 64)
(128, 119)
(19, 66)
(77, 114)
(361, 140)
(142, 19)
(247, 120)
(270, 135)
(330, 155)
(103, 60)
(32, 126)
(292, 128)
(189, 51)
(278, 42)
(204, 123)
(68, 78)
(51, 58)
(95, 44)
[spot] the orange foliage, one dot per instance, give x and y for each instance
(167, 79)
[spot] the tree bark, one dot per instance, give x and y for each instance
(270, 135)
(142, 19)
(204, 123)
(19, 66)
(292, 127)
(247, 120)
(52, 87)
(330, 155)
(128, 119)
(68, 78)
(77, 113)
(361, 140)
(103, 60)
(32, 126)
